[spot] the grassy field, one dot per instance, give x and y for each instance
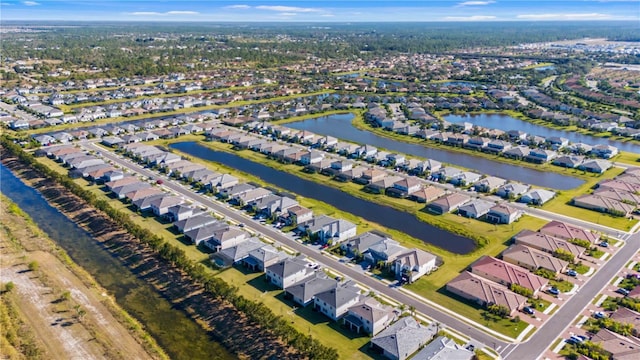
(628, 158)
(251, 285)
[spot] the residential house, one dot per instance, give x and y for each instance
(304, 291)
(444, 348)
(401, 339)
(334, 303)
(261, 258)
(296, 215)
(518, 152)
(604, 151)
(619, 347)
(512, 190)
(252, 195)
(537, 196)
(620, 195)
(225, 238)
(546, 243)
(235, 254)
(383, 184)
(597, 166)
(385, 251)
(446, 173)
(627, 316)
(497, 146)
(489, 184)
(427, 194)
(448, 203)
(326, 228)
(569, 161)
(359, 244)
(475, 208)
(503, 214)
(485, 292)
(287, 272)
(195, 222)
(161, 205)
(465, 178)
(413, 264)
(568, 232)
(144, 204)
(372, 175)
(181, 212)
(506, 274)
(620, 185)
(532, 259)
(603, 204)
(407, 185)
(203, 234)
(369, 316)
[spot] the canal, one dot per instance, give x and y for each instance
(340, 126)
(176, 333)
(381, 214)
(506, 123)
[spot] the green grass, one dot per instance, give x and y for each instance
(562, 285)
(539, 304)
(579, 268)
(627, 158)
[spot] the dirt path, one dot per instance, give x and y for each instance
(95, 334)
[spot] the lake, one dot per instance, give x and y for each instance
(339, 125)
(384, 215)
(175, 332)
(506, 123)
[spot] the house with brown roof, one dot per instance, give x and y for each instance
(427, 194)
(371, 176)
(565, 231)
(546, 243)
(620, 195)
(603, 204)
(506, 274)
(618, 346)
(485, 292)
(448, 203)
(620, 185)
(627, 316)
(533, 259)
(369, 316)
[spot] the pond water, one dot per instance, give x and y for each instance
(506, 123)
(176, 333)
(339, 125)
(381, 214)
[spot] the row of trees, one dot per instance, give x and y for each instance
(254, 310)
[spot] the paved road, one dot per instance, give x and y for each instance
(530, 349)
(378, 286)
(551, 330)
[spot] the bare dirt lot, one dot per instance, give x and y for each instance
(65, 312)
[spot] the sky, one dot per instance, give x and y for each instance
(320, 11)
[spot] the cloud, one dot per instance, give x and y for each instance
(168, 13)
(182, 12)
(288, 14)
(237, 7)
(470, 18)
(578, 16)
(475, 3)
(31, 3)
(287, 9)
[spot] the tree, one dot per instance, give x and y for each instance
(8, 287)
(33, 266)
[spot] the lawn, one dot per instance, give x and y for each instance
(628, 158)
(253, 286)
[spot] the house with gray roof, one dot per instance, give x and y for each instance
(288, 272)
(226, 238)
(161, 205)
(326, 228)
(386, 251)
(194, 222)
(475, 208)
(234, 190)
(597, 166)
(261, 258)
(444, 348)
(205, 233)
(144, 204)
(448, 203)
(512, 190)
(503, 214)
(369, 316)
(489, 184)
(334, 303)
(303, 292)
(121, 191)
(537, 196)
(362, 242)
(235, 254)
(400, 340)
(413, 264)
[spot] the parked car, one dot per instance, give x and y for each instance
(604, 244)
(553, 291)
(599, 315)
(572, 272)
(622, 291)
(528, 310)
